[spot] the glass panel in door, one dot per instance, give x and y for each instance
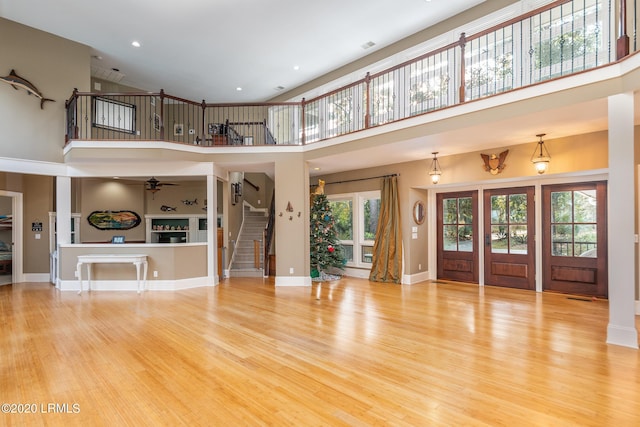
(509, 225)
(457, 228)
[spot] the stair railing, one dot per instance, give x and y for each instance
(268, 234)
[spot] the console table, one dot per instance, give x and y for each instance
(135, 259)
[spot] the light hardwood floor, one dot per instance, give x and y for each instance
(349, 352)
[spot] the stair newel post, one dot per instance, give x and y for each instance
(256, 254)
(622, 44)
(161, 114)
(72, 103)
(463, 43)
(367, 101)
(303, 114)
(203, 129)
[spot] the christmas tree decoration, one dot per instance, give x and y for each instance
(326, 250)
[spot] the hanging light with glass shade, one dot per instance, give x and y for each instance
(435, 169)
(540, 157)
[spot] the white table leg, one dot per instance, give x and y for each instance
(79, 273)
(89, 276)
(138, 275)
(144, 275)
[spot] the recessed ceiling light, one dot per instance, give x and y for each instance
(279, 88)
(239, 89)
(316, 168)
(296, 67)
(368, 44)
(135, 43)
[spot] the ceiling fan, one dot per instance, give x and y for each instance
(154, 185)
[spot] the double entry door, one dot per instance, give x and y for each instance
(506, 240)
(573, 243)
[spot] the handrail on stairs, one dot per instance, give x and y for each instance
(268, 234)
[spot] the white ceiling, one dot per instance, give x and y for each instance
(205, 49)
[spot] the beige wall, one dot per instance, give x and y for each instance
(97, 194)
(573, 154)
(38, 202)
(291, 230)
(174, 196)
(55, 66)
(261, 197)
(172, 262)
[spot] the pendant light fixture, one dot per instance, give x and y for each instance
(435, 169)
(540, 157)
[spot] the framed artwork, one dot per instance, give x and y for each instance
(178, 129)
(156, 122)
(114, 220)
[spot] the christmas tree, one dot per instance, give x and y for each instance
(326, 250)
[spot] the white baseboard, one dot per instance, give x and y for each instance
(622, 335)
(410, 279)
(36, 277)
(358, 273)
(293, 281)
(131, 285)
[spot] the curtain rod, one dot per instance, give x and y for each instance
(358, 179)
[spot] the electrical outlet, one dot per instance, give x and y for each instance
(419, 267)
(291, 270)
(155, 273)
(75, 274)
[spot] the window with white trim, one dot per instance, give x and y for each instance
(356, 220)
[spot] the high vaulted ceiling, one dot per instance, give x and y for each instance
(206, 49)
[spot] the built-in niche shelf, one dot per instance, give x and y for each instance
(176, 228)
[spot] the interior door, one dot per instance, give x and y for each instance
(509, 245)
(6, 240)
(575, 238)
(457, 236)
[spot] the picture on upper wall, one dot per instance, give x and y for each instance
(114, 220)
(178, 129)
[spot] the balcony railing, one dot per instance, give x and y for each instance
(562, 38)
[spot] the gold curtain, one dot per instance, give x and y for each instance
(387, 249)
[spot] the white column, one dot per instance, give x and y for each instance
(621, 329)
(63, 209)
(212, 229)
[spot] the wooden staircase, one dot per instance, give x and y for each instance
(247, 258)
